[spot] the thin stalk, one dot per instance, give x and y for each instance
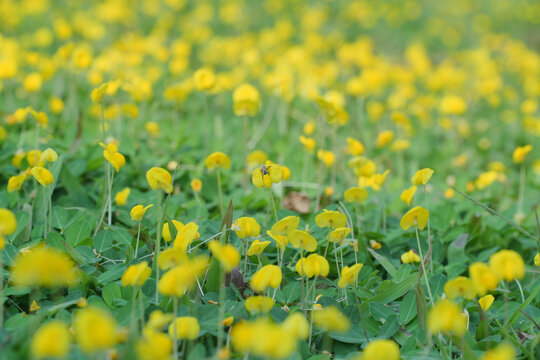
(273, 203)
(175, 330)
(220, 192)
(109, 195)
(360, 312)
(138, 237)
(424, 267)
(158, 244)
(45, 198)
(221, 311)
(311, 314)
(521, 188)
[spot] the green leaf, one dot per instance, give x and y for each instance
(110, 292)
(384, 262)
(103, 240)
(527, 301)
(112, 274)
(77, 232)
(407, 310)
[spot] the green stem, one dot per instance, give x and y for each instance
(424, 267)
(175, 330)
(273, 203)
(158, 245)
(360, 312)
(220, 192)
(221, 311)
(138, 237)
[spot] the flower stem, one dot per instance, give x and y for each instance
(138, 237)
(424, 267)
(158, 244)
(220, 192)
(360, 312)
(175, 330)
(273, 203)
(221, 311)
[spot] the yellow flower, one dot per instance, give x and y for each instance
(42, 175)
(446, 317)
(137, 212)
(375, 245)
(97, 94)
(152, 128)
(204, 79)
(183, 277)
(82, 302)
(228, 321)
(187, 327)
(309, 127)
(159, 179)
(408, 194)
(56, 105)
(166, 232)
(520, 153)
(111, 154)
(313, 265)
(257, 247)
(51, 340)
(33, 158)
(227, 255)
(486, 301)
(355, 194)
(196, 185)
(246, 226)
(259, 304)
(537, 259)
(332, 219)
(308, 142)
(302, 239)
(154, 345)
(460, 287)
(327, 157)
(417, 216)
(328, 191)
(349, 275)
(338, 235)
(384, 138)
(185, 234)
(354, 147)
(285, 173)
(32, 82)
(218, 160)
(256, 158)
(281, 240)
(158, 320)
(42, 266)
(284, 226)
(95, 329)
(267, 276)
(297, 325)
(40, 117)
(449, 193)
(410, 257)
(266, 175)
(504, 351)
(381, 349)
(507, 265)
(331, 319)
(8, 222)
(453, 105)
(246, 100)
(48, 155)
(170, 258)
(483, 278)
(121, 197)
(422, 176)
(136, 275)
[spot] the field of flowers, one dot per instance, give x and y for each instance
(277, 179)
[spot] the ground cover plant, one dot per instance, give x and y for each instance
(269, 179)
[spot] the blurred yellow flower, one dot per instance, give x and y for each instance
(154, 345)
(259, 304)
(483, 278)
(460, 286)
(246, 100)
(95, 329)
(355, 194)
(196, 185)
(504, 351)
(136, 275)
(520, 153)
(384, 138)
(332, 219)
(218, 160)
(204, 79)
(187, 327)
(43, 266)
(327, 157)
(331, 319)
(354, 147)
(183, 277)
(48, 155)
(302, 239)
(338, 235)
(257, 247)
(381, 349)
(121, 197)
(507, 265)
(266, 175)
(227, 255)
(446, 317)
(52, 339)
